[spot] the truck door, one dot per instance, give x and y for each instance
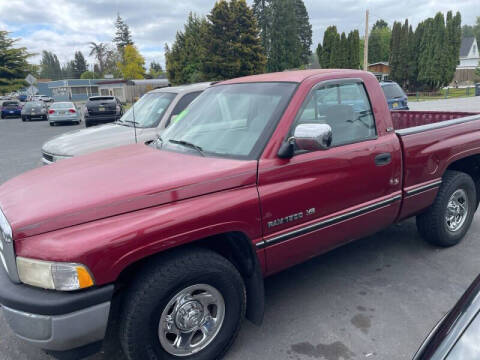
(318, 200)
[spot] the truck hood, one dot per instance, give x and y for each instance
(112, 182)
(91, 139)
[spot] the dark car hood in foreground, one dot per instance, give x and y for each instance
(85, 141)
(113, 182)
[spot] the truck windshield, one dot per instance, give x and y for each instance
(234, 120)
(148, 111)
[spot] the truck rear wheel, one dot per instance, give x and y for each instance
(186, 305)
(447, 221)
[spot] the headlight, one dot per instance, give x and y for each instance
(54, 275)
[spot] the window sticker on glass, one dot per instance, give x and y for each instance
(180, 116)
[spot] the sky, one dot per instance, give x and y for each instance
(66, 26)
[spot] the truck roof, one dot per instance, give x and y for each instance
(290, 76)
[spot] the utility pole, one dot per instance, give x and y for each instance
(365, 47)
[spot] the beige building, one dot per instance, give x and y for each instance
(129, 90)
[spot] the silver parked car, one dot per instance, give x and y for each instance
(63, 112)
(143, 122)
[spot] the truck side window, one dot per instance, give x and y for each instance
(345, 107)
(182, 104)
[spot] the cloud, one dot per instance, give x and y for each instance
(66, 26)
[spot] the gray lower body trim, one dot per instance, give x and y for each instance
(327, 222)
(60, 332)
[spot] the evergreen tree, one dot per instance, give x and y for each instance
(13, 64)
(379, 42)
(68, 70)
(284, 44)
(233, 44)
(123, 36)
(354, 49)
(342, 56)
(319, 52)
(395, 54)
(411, 60)
(286, 32)
(80, 65)
(155, 71)
(304, 31)
(452, 45)
(380, 24)
(184, 61)
(330, 39)
(50, 66)
(262, 12)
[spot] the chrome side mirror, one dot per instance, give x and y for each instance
(312, 137)
(309, 137)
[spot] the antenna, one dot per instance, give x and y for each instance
(134, 122)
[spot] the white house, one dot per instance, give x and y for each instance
(469, 55)
(469, 60)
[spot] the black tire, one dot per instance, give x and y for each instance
(52, 124)
(432, 225)
(159, 282)
(23, 118)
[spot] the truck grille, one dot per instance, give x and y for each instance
(7, 252)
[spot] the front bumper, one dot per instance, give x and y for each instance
(53, 320)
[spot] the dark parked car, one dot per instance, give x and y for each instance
(457, 335)
(396, 97)
(11, 108)
(102, 110)
(34, 110)
(22, 98)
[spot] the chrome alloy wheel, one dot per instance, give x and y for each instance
(191, 320)
(457, 210)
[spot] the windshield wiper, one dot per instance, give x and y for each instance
(188, 144)
(132, 122)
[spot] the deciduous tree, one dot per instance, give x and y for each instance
(132, 66)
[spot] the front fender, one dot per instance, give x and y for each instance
(110, 245)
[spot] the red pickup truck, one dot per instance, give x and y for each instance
(174, 239)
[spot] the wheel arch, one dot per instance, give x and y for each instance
(471, 166)
(234, 246)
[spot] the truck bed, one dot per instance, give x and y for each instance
(430, 141)
(421, 120)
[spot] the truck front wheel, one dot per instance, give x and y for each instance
(187, 305)
(446, 222)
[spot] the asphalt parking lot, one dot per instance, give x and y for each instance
(376, 298)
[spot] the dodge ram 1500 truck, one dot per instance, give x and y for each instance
(174, 239)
